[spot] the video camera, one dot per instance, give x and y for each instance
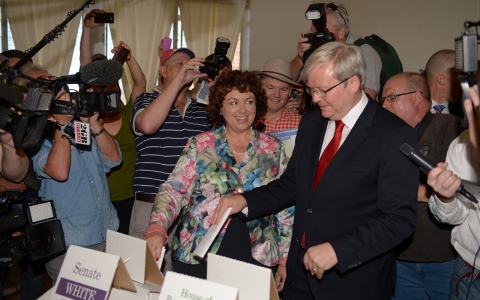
(212, 69)
(43, 234)
(316, 13)
(466, 59)
(28, 127)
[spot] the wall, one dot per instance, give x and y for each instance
(415, 28)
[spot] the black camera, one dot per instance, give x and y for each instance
(43, 236)
(316, 13)
(212, 69)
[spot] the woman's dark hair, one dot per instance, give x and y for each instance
(235, 80)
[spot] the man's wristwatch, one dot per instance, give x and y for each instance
(99, 133)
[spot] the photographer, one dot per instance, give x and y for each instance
(338, 23)
(75, 179)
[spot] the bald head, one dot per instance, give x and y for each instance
(440, 62)
(407, 96)
(442, 78)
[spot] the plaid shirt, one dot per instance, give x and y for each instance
(288, 119)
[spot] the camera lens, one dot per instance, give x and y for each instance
(41, 240)
(7, 118)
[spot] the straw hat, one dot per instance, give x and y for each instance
(279, 69)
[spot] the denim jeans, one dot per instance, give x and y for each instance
(461, 278)
(423, 280)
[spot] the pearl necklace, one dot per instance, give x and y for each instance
(233, 151)
(237, 153)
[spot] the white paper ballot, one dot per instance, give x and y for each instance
(210, 236)
(160, 261)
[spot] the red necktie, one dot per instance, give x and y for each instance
(326, 157)
(329, 152)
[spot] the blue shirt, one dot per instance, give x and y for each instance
(82, 202)
(157, 154)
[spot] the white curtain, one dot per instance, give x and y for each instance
(205, 20)
(142, 24)
(31, 20)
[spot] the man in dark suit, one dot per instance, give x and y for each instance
(363, 205)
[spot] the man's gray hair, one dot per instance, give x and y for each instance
(26, 69)
(340, 16)
(347, 61)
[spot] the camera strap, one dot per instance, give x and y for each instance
(67, 131)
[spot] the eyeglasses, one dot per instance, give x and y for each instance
(323, 93)
(391, 98)
(331, 6)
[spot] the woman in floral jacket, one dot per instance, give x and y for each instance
(231, 158)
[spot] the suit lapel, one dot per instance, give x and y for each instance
(318, 134)
(359, 132)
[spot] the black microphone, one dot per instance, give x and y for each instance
(96, 73)
(427, 166)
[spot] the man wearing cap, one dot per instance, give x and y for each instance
(162, 123)
(277, 83)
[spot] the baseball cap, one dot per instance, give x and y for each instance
(167, 54)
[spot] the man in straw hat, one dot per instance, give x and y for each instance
(278, 84)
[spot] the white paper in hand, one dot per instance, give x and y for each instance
(210, 236)
(160, 261)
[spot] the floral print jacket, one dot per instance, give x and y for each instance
(207, 170)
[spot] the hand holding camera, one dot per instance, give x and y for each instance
(122, 53)
(90, 18)
(302, 46)
(63, 119)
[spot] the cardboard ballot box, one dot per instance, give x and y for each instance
(90, 274)
(139, 262)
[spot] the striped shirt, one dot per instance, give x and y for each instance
(158, 154)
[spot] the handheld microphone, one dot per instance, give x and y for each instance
(96, 73)
(427, 166)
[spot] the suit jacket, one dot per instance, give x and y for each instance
(364, 205)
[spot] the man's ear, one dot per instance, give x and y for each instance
(355, 84)
(163, 71)
(441, 79)
(418, 98)
(342, 33)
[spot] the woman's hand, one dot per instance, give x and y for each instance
(280, 277)
(155, 241)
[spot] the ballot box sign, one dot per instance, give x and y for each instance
(253, 282)
(182, 287)
(76, 290)
(87, 275)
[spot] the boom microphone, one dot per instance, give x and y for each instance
(427, 166)
(96, 73)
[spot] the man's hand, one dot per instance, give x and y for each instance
(89, 18)
(444, 182)
(189, 71)
(472, 110)
(319, 259)
(60, 118)
(302, 46)
(237, 203)
(155, 241)
(280, 277)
